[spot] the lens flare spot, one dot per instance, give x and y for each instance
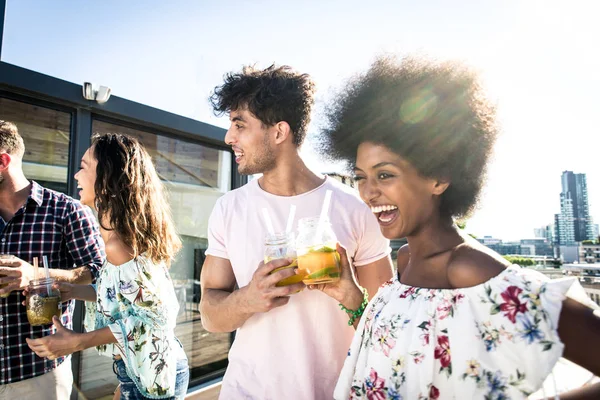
(418, 107)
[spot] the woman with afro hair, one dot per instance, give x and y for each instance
(458, 321)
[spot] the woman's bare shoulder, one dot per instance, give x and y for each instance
(117, 252)
(473, 264)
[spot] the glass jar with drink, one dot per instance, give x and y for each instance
(318, 259)
(278, 246)
(42, 302)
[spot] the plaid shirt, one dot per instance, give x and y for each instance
(55, 225)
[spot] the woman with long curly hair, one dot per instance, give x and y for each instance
(132, 310)
(458, 321)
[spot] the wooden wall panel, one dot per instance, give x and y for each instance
(45, 131)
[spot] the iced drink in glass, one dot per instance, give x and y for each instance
(278, 246)
(43, 302)
(318, 259)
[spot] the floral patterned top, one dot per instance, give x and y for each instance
(137, 302)
(496, 340)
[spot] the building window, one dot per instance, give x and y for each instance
(46, 133)
(195, 176)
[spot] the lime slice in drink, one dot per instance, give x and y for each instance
(331, 271)
(322, 249)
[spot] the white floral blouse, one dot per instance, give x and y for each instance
(137, 302)
(496, 340)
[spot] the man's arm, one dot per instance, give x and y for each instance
(220, 304)
(79, 275)
(372, 276)
(224, 309)
(84, 243)
(18, 273)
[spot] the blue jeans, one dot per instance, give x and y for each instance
(130, 392)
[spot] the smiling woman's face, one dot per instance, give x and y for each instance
(401, 199)
(86, 178)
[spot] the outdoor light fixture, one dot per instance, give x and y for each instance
(101, 95)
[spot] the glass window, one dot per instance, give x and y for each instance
(195, 176)
(46, 133)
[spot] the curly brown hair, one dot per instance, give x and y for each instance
(132, 199)
(272, 95)
(431, 114)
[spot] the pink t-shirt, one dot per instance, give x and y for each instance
(295, 351)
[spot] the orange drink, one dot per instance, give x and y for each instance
(319, 265)
(290, 280)
(317, 258)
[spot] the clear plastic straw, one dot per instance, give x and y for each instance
(290, 221)
(36, 269)
(268, 222)
(324, 212)
(47, 273)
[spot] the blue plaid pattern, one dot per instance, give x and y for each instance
(61, 228)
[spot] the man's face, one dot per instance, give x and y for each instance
(251, 143)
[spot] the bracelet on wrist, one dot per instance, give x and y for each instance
(353, 315)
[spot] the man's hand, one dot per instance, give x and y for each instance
(62, 343)
(261, 294)
(16, 274)
(346, 290)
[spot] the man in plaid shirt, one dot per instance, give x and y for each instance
(37, 222)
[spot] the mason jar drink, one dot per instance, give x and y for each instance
(5, 258)
(318, 259)
(43, 302)
(282, 245)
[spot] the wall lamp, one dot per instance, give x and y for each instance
(101, 95)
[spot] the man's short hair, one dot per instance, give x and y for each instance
(10, 140)
(272, 95)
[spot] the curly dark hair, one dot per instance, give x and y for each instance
(431, 114)
(131, 197)
(272, 95)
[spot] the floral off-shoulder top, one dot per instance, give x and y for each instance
(496, 340)
(137, 302)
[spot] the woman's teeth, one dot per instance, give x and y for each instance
(378, 209)
(385, 218)
(383, 213)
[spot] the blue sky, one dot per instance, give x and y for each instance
(537, 58)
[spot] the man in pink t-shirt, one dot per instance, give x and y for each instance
(288, 345)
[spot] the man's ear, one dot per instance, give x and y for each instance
(282, 132)
(440, 186)
(5, 160)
